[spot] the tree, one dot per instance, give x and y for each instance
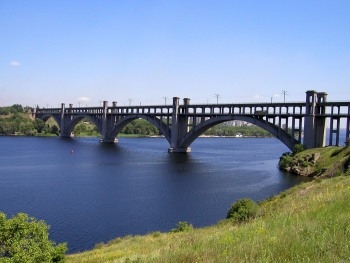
(27, 128)
(298, 148)
(25, 239)
(54, 129)
(39, 125)
(16, 108)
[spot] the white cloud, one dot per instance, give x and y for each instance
(257, 97)
(83, 99)
(15, 63)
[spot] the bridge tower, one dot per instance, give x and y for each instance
(315, 127)
(179, 126)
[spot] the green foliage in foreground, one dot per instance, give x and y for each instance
(285, 161)
(242, 210)
(182, 227)
(333, 161)
(298, 148)
(25, 239)
(307, 223)
(287, 158)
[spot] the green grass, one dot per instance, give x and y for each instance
(334, 161)
(307, 223)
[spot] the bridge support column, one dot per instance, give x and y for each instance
(179, 127)
(314, 127)
(105, 126)
(64, 123)
(347, 132)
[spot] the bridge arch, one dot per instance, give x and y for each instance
(48, 116)
(160, 125)
(276, 131)
(77, 119)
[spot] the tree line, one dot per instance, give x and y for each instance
(142, 127)
(16, 120)
(243, 130)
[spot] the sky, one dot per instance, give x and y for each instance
(147, 52)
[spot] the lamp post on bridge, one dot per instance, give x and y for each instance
(284, 93)
(217, 97)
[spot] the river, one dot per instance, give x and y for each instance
(90, 192)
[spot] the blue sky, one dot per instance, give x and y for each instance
(147, 52)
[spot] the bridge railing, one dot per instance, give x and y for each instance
(341, 109)
(245, 109)
(47, 110)
(134, 110)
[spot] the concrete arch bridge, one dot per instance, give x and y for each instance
(291, 122)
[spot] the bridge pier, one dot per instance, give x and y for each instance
(314, 125)
(64, 132)
(179, 127)
(179, 150)
(108, 140)
(106, 125)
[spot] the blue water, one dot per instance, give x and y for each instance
(90, 192)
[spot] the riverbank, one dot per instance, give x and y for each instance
(324, 162)
(307, 223)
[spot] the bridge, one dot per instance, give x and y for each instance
(290, 122)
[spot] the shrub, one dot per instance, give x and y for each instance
(182, 227)
(285, 161)
(242, 210)
(156, 234)
(298, 148)
(25, 239)
(305, 163)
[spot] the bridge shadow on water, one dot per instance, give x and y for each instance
(183, 164)
(179, 158)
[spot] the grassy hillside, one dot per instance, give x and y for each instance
(308, 223)
(322, 162)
